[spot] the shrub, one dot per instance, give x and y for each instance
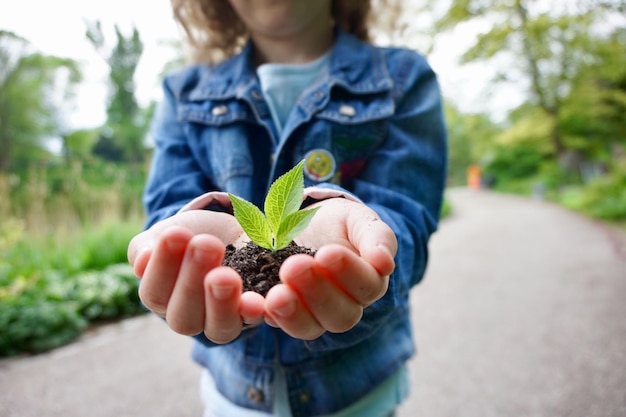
(604, 198)
(52, 287)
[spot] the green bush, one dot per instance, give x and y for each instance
(446, 208)
(55, 309)
(604, 198)
(34, 324)
(514, 162)
(52, 288)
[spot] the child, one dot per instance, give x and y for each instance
(293, 80)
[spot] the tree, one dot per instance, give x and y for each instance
(548, 51)
(593, 114)
(122, 138)
(28, 115)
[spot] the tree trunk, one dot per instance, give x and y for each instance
(551, 107)
(5, 152)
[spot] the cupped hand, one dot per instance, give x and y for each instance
(179, 263)
(350, 271)
(182, 280)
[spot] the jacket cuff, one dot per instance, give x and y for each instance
(206, 200)
(220, 199)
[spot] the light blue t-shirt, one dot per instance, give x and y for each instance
(282, 84)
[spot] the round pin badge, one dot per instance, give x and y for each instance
(319, 165)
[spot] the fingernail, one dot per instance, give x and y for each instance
(201, 255)
(385, 249)
(286, 310)
(142, 252)
(222, 292)
(175, 245)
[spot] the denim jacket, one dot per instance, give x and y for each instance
(371, 126)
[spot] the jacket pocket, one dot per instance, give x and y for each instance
(218, 137)
(339, 153)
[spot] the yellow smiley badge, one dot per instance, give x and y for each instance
(319, 165)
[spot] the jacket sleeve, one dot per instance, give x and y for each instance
(404, 183)
(175, 175)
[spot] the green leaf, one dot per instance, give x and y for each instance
(282, 220)
(292, 226)
(284, 197)
(252, 222)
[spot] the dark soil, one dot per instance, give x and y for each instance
(259, 267)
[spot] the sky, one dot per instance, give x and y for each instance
(57, 27)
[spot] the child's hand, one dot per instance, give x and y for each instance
(350, 271)
(182, 280)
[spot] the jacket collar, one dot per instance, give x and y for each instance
(354, 65)
(357, 66)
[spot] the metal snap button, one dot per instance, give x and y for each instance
(304, 397)
(347, 110)
(255, 395)
(220, 110)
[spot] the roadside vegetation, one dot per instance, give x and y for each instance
(567, 141)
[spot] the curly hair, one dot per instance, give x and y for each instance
(214, 31)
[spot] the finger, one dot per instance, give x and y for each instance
(185, 310)
(357, 278)
(162, 269)
(140, 262)
(222, 322)
(283, 309)
(373, 239)
(252, 308)
(222, 225)
(270, 321)
(329, 305)
(137, 246)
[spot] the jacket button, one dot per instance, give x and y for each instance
(256, 395)
(304, 397)
(219, 110)
(347, 110)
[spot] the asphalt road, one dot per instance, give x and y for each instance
(522, 314)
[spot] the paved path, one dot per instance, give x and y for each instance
(522, 314)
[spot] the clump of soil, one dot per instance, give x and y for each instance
(258, 266)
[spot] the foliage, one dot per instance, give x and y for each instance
(69, 192)
(470, 138)
(566, 140)
(572, 62)
(283, 220)
(29, 114)
(592, 117)
(446, 208)
(79, 143)
(63, 250)
(123, 137)
(51, 288)
(55, 309)
(604, 198)
(514, 162)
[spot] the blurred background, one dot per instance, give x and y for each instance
(535, 104)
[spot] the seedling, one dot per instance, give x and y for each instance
(283, 220)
